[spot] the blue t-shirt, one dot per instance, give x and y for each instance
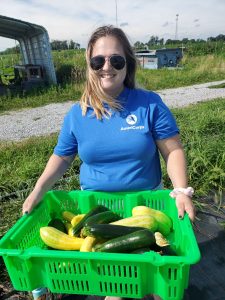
(119, 153)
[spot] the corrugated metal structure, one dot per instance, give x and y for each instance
(160, 58)
(34, 44)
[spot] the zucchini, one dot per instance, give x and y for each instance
(141, 250)
(69, 228)
(148, 222)
(58, 224)
(104, 217)
(132, 241)
(97, 209)
(164, 251)
(168, 251)
(56, 239)
(108, 231)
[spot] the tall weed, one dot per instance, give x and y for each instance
(202, 133)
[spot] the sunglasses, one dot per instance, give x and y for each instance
(116, 61)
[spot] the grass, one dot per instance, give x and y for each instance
(218, 86)
(202, 134)
(53, 94)
(195, 70)
(71, 68)
(23, 162)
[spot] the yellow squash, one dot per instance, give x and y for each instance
(88, 244)
(58, 240)
(146, 221)
(161, 241)
(68, 216)
(164, 221)
(76, 219)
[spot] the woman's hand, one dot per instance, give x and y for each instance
(185, 204)
(32, 200)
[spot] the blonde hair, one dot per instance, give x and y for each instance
(93, 95)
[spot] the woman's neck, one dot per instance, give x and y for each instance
(116, 93)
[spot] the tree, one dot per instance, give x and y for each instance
(220, 37)
(71, 44)
(12, 50)
(139, 45)
(76, 46)
(185, 41)
(153, 41)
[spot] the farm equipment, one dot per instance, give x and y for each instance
(24, 78)
(28, 76)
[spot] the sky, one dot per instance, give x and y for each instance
(140, 19)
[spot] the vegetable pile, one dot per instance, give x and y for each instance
(101, 230)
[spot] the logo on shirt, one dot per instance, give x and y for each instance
(131, 119)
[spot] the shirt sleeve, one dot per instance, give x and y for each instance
(67, 142)
(163, 122)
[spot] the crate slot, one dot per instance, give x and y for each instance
(117, 205)
(53, 283)
(117, 270)
(63, 285)
(155, 203)
(172, 292)
(72, 284)
(23, 282)
(69, 205)
(119, 288)
(172, 273)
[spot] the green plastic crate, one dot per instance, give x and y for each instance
(30, 265)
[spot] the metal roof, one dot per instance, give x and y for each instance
(18, 29)
(34, 43)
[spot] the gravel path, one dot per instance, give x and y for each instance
(19, 125)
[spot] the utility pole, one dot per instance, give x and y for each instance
(116, 14)
(176, 31)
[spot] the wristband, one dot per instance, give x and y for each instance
(189, 191)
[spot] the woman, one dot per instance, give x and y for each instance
(117, 130)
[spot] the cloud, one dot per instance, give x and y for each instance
(124, 24)
(165, 24)
(69, 19)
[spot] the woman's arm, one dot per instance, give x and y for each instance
(172, 152)
(55, 168)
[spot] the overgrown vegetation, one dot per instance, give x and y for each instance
(202, 62)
